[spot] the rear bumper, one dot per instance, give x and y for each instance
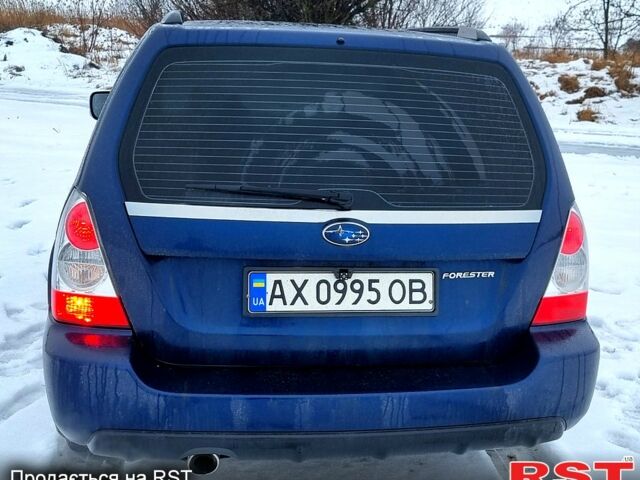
(299, 447)
(119, 404)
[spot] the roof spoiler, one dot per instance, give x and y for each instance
(174, 17)
(469, 33)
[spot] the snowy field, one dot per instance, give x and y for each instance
(44, 128)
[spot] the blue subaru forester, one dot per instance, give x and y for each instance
(303, 241)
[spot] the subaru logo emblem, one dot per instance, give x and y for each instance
(345, 234)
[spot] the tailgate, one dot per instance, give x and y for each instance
(441, 161)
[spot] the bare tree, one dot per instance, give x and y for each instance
(313, 11)
(215, 9)
(139, 15)
(374, 13)
(609, 22)
(632, 46)
(425, 13)
(441, 13)
(391, 14)
(511, 34)
(633, 10)
(310, 11)
(557, 32)
(90, 16)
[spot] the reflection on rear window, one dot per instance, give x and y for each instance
(401, 136)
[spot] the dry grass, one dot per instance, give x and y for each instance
(587, 115)
(575, 101)
(622, 75)
(559, 56)
(569, 83)
(547, 94)
(567, 55)
(522, 55)
(41, 14)
(590, 92)
(76, 49)
(27, 13)
(629, 58)
(599, 63)
(634, 59)
(133, 25)
(620, 67)
(77, 28)
(594, 92)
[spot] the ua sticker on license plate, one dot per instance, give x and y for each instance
(321, 292)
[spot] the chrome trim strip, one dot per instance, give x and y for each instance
(391, 217)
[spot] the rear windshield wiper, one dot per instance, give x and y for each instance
(342, 200)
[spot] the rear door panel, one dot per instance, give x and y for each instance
(197, 266)
(204, 322)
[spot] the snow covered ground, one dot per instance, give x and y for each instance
(44, 128)
(29, 59)
(618, 113)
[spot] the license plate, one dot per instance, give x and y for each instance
(326, 291)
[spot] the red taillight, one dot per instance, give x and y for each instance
(88, 310)
(574, 235)
(565, 299)
(82, 291)
(563, 308)
(79, 228)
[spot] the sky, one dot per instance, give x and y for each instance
(531, 13)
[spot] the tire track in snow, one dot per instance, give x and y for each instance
(21, 370)
(20, 352)
(606, 189)
(619, 381)
(36, 176)
(20, 399)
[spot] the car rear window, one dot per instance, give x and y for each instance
(399, 131)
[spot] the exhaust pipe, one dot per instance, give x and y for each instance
(203, 464)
